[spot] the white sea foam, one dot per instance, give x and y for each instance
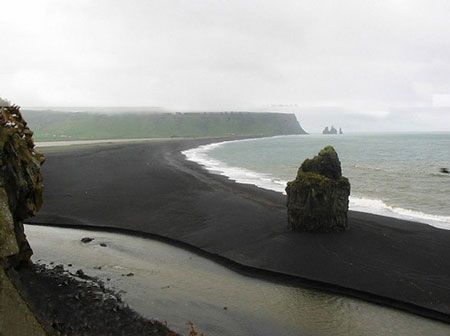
(240, 175)
(266, 181)
(378, 207)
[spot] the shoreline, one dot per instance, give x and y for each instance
(177, 285)
(264, 274)
(359, 203)
(85, 305)
(261, 211)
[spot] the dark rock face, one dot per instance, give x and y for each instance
(21, 184)
(317, 200)
(332, 130)
(20, 197)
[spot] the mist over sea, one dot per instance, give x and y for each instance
(391, 174)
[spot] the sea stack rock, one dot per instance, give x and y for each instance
(317, 200)
(21, 185)
(331, 130)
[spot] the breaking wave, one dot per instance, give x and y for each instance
(266, 181)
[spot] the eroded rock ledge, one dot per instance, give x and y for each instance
(21, 189)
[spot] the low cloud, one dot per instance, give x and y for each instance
(369, 59)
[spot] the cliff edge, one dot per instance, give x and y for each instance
(21, 187)
(56, 125)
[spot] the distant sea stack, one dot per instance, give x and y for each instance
(317, 200)
(331, 130)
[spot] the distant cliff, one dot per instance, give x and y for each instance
(51, 125)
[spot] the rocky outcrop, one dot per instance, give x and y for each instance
(20, 197)
(317, 200)
(332, 130)
(21, 184)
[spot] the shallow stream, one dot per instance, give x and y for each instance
(174, 285)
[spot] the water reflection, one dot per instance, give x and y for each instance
(177, 286)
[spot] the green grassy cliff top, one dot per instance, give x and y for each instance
(52, 126)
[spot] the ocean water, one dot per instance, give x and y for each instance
(391, 174)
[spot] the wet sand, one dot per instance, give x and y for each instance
(73, 303)
(174, 285)
(151, 188)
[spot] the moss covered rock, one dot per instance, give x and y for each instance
(317, 200)
(21, 184)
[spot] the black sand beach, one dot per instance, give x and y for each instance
(149, 187)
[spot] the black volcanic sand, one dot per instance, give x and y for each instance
(66, 305)
(150, 187)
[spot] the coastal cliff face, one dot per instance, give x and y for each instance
(20, 197)
(317, 200)
(54, 125)
(21, 184)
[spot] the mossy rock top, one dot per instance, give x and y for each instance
(326, 163)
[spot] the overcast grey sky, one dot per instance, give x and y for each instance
(351, 63)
